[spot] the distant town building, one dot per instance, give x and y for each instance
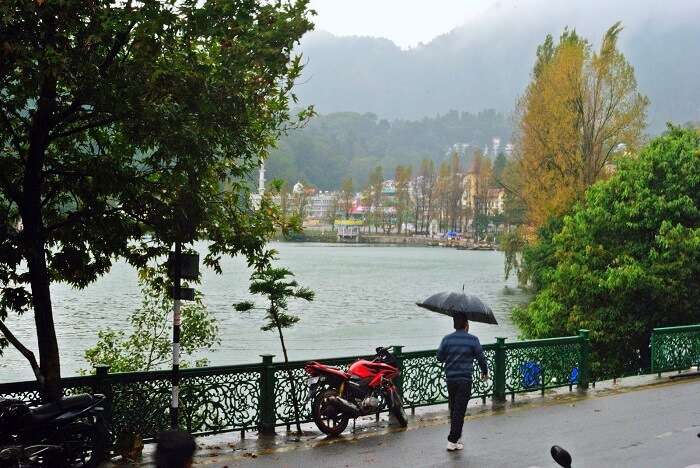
(495, 201)
(321, 205)
(479, 200)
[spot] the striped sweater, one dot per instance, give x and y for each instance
(458, 351)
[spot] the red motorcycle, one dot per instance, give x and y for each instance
(366, 388)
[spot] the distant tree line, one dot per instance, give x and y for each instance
(335, 146)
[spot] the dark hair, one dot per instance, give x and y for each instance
(175, 449)
(460, 321)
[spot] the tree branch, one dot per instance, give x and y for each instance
(23, 350)
(82, 128)
(77, 216)
(13, 135)
(119, 42)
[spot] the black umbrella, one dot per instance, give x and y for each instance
(452, 303)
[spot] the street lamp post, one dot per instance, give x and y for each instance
(180, 266)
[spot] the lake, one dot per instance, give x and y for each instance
(365, 297)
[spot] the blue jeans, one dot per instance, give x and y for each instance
(458, 397)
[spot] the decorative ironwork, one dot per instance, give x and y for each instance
(532, 366)
(140, 407)
(284, 404)
(220, 399)
(424, 379)
(675, 348)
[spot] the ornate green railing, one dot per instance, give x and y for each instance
(259, 396)
(675, 348)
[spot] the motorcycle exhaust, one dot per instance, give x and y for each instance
(344, 405)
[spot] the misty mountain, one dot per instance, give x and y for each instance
(487, 66)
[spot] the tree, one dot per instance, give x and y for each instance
(499, 166)
(402, 178)
(148, 347)
(512, 243)
(627, 258)
(442, 191)
(484, 182)
(454, 192)
(581, 109)
(274, 284)
(121, 119)
(347, 195)
(373, 197)
(332, 211)
(424, 192)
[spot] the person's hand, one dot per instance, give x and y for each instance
(484, 376)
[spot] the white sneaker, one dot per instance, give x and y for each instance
(452, 446)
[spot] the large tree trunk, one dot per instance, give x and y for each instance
(43, 318)
(34, 239)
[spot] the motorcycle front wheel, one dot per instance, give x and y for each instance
(396, 408)
(327, 418)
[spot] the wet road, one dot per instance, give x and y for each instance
(655, 427)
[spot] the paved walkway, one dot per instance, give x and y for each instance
(655, 427)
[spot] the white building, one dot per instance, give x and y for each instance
(320, 205)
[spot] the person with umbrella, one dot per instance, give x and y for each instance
(457, 351)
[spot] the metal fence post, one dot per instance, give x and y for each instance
(499, 371)
(652, 344)
(398, 353)
(584, 371)
(268, 418)
(101, 385)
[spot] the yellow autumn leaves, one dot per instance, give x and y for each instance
(581, 110)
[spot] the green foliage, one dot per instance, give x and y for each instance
(149, 345)
(626, 259)
(512, 243)
(125, 119)
(539, 260)
(277, 286)
(499, 165)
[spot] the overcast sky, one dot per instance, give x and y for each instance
(409, 22)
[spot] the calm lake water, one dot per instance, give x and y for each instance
(365, 297)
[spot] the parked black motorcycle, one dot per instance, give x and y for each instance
(68, 433)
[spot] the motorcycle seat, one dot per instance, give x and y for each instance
(51, 410)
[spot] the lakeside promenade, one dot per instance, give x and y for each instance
(638, 422)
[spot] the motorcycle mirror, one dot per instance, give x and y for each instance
(561, 456)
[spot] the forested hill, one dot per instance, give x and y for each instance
(347, 144)
(488, 66)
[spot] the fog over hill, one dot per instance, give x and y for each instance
(486, 63)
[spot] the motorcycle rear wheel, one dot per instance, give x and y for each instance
(85, 444)
(327, 419)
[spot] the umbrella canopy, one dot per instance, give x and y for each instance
(453, 303)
